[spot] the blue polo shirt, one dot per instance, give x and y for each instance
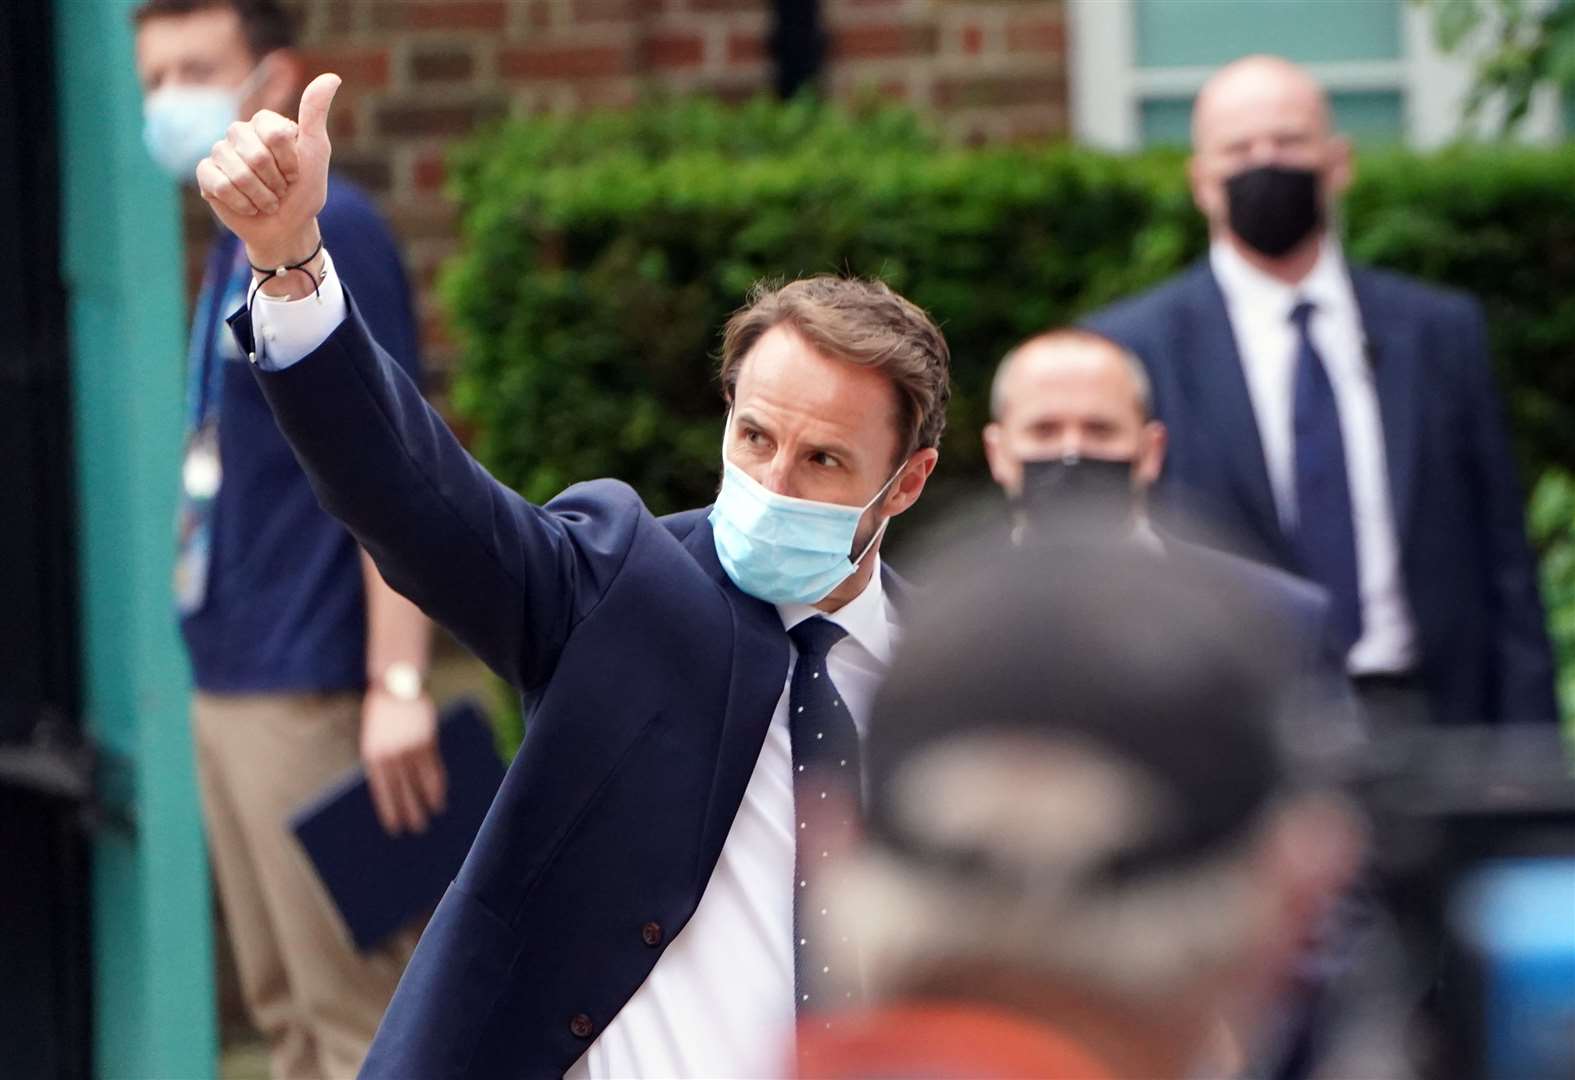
(283, 608)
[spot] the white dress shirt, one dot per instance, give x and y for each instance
(719, 1002)
(285, 331)
(1260, 316)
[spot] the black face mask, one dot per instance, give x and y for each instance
(1273, 208)
(1091, 493)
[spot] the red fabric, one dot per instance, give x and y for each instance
(939, 1042)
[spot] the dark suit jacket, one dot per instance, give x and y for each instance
(1295, 607)
(650, 679)
(1469, 575)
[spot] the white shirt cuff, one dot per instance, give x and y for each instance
(284, 331)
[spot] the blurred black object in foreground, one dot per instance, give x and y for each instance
(1081, 729)
(1473, 857)
(1085, 834)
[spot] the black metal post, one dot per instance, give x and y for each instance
(45, 770)
(798, 45)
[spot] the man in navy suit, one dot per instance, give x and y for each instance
(635, 901)
(1341, 422)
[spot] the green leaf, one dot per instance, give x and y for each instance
(1453, 22)
(1560, 60)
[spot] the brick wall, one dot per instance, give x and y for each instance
(421, 73)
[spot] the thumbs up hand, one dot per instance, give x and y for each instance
(268, 178)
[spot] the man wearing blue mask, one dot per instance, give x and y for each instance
(304, 661)
(636, 901)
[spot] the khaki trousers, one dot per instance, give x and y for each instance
(314, 997)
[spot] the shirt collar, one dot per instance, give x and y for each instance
(863, 617)
(1249, 291)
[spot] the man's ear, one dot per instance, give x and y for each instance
(1151, 453)
(1314, 851)
(910, 485)
(1201, 193)
(1001, 470)
(280, 86)
(1342, 165)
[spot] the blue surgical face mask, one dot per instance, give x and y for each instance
(781, 549)
(180, 124)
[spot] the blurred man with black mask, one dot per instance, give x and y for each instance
(1339, 422)
(1071, 424)
(1073, 443)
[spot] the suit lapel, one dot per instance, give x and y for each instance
(1216, 390)
(760, 662)
(1394, 352)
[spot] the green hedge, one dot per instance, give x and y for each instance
(1553, 531)
(602, 254)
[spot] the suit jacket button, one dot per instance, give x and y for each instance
(581, 1027)
(651, 933)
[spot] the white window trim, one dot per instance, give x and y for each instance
(1107, 89)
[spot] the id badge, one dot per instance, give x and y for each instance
(201, 472)
(201, 476)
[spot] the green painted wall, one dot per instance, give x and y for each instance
(1206, 33)
(153, 962)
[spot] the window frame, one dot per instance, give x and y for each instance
(1107, 89)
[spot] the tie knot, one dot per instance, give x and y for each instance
(816, 635)
(1302, 312)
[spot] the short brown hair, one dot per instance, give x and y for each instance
(862, 322)
(265, 24)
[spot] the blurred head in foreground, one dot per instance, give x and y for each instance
(1080, 819)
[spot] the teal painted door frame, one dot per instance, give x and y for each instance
(123, 269)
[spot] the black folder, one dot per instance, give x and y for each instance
(381, 882)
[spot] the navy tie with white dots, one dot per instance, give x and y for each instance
(826, 802)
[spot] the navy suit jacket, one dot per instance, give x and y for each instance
(1469, 576)
(650, 682)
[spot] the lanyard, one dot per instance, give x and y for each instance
(205, 370)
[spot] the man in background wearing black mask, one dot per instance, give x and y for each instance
(1072, 432)
(1073, 443)
(1339, 422)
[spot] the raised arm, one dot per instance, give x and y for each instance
(508, 578)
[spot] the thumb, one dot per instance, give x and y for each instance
(315, 101)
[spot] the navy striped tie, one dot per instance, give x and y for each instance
(1325, 539)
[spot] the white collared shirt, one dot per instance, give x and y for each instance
(1260, 316)
(719, 1001)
